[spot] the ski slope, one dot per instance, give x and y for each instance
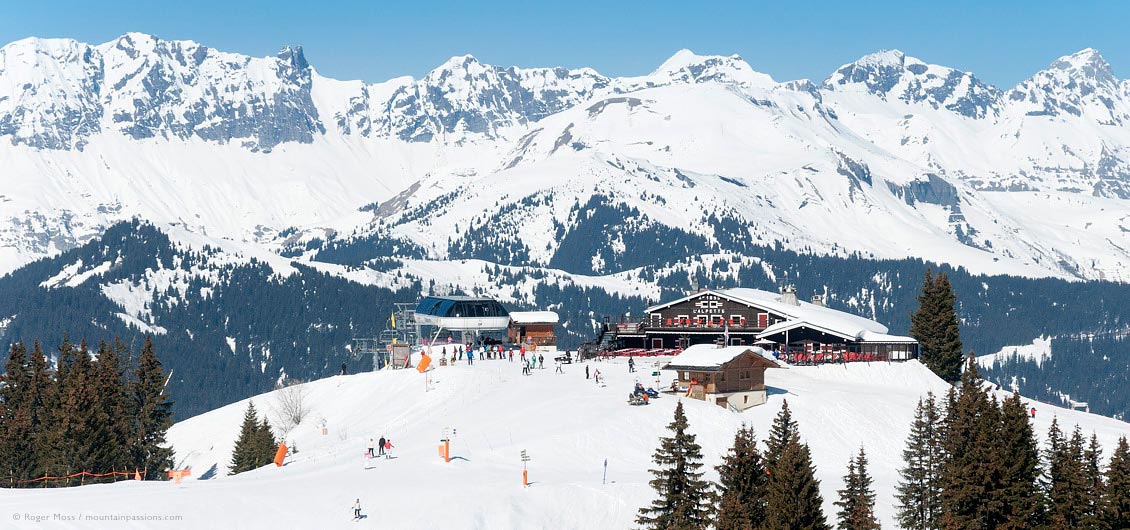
(568, 425)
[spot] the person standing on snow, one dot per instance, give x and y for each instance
(371, 455)
(596, 375)
(541, 361)
(586, 371)
(357, 509)
(559, 370)
(388, 448)
(631, 365)
(470, 358)
(381, 446)
(511, 355)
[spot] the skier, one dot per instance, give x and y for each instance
(381, 446)
(596, 375)
(631, 365)
(511, 355)
(541, 362)
(371, 455)
(388, 448)
(1033, 412)
(470, 358)
(559, 370)
(357, 510)
(342, 369)
(586, 371)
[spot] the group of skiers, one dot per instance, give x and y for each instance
(382, 448)
(459, 351)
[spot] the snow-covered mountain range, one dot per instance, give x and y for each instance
(888, 157)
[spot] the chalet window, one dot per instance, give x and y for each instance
(763, 320)
(744, 374)
(686, 376)
(683, 319)
(735, 320)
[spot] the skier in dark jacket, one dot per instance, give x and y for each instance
(586, 371)
(381, 446)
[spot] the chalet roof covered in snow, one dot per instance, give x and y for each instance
(710, 357)
(534, 317)
(802, 314)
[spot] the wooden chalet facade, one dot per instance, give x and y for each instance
(805, 331)
(535, 328)
(731, 376)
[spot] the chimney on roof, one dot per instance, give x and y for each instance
(788, 295)
(818, 299)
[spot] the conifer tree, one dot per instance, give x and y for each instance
(857, 499)
(42, 392)
(1093, 487)
(67, 427)
(684, 497)
(793, 500)
(17, 456)
(919, 489)
(246, 454)
(112, 399)
(265, 443)
(1065, 481)
(936, 327)
(971, 479)
(153, 415)
(742, 483)
(1019, 453)
(1116, 497)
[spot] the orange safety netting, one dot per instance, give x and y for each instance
(73, 475)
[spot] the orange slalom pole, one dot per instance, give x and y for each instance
(525, 478)
(447, 450)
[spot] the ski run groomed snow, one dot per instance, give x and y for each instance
(568, 425)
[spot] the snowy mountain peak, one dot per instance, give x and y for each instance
(1087, 63)
(686, 66)
(1080, 85)
(294, 57)
(893, 75)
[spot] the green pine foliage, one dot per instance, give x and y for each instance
(684, 497)
(152, 412)
(742, 483)
(793, 500)
(1065, 481)
(1116, 497)
(81, 417)
(971, 475)
(936, 327)
(919, 490)
(1093, 485)
(857, 499)
(1019, 453)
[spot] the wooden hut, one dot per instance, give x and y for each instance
(729, 376)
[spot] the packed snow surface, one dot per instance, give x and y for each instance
(568, 425)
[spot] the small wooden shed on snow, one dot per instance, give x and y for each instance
(729, 376)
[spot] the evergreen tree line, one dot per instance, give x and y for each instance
(774, 489)
(974, 463)
(87, 414)
(256, 445)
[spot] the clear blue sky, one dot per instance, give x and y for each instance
(1002, 41)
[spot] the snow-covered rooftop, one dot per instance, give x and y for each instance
(711, 357)
(534, 317)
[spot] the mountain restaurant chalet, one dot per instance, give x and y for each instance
(779, 322)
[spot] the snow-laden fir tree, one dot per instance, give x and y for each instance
(793, 500)
(919, 490)
(684, 497)
(742, 481)
(857, 499)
